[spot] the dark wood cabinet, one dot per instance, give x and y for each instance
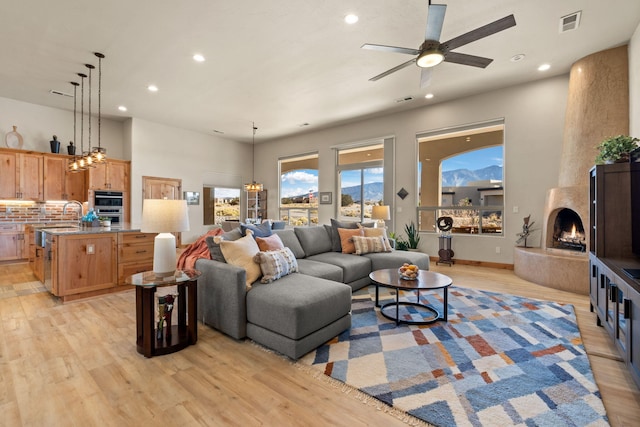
(614, 295)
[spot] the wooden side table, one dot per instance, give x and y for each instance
(183, 334)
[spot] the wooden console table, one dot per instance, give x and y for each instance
(183, 334)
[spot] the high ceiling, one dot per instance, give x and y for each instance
(280, 63)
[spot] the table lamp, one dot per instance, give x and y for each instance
(382, 214)
(164, 217)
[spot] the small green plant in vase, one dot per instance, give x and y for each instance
(413, 235)
(616, 149)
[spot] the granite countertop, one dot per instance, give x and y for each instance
(120, 228)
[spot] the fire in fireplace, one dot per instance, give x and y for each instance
(568, 232)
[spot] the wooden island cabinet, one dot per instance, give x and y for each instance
(85, 263)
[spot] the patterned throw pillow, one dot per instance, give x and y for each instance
(276, 264)
(346, 241)
(271, 243)
(240, 253)
(365, 245)
(375, 232)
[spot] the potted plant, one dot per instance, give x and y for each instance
(616, 149)
(413, 235)
(401, 244)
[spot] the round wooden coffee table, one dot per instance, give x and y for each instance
(389, 278)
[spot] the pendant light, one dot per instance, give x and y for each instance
(73, 162)
(99, 153)
(82, 165)
(254, 187)
(86, 155)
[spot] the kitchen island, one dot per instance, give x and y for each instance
(87, 261)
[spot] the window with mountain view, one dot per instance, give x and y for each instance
(220, 204)
(361, 181)
(461, 176)
(299, 189)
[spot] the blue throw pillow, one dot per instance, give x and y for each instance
(262, 230)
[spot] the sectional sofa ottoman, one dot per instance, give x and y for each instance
(300, 311)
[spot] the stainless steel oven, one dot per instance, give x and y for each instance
(109, 204)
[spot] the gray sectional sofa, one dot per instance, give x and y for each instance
(298, 312)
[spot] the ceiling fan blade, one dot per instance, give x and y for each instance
(425, 77)
(393, 70)
(464, 59)
(479, 33)
(395, 49)
(435, 18)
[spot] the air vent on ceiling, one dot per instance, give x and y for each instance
(405, 99)
(57, 92)
(570, 22)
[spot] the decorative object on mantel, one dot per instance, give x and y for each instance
(55, 145)
(526, 231)
(616, 149)
(14, 139)
(71, 149)
(253, 187)
(403, 193)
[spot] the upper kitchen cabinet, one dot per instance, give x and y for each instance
(59, 184)
(112, 175)
(21, 175)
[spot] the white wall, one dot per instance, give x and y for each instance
(195, 158)
(37, 125)
(534, 124)
(634, 84)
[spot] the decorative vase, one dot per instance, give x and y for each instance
(71, 149)
(55, 145)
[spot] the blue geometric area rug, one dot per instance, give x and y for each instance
(500, 360)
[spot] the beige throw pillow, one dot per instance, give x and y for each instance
(276, 264)
(240, 253)
(365, 245)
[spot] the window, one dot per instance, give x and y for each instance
(220, 204)
(299, 189)
(361, 181)
(461, 176)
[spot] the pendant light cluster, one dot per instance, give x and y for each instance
(254, 186)
(96, 155)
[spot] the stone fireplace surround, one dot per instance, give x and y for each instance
(597, 107)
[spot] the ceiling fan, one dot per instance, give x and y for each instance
(432, 52)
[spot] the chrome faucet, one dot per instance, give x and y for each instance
(74, 202)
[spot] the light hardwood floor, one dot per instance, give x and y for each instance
(76, 364)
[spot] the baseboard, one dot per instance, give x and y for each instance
(477, 263)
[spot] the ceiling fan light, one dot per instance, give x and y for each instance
(429, 58)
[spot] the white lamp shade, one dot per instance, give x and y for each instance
(381, 212)
(164, 216)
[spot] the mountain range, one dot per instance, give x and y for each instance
(455, 178)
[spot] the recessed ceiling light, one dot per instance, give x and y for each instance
(544, 67)
(518, 57)
(351, 18)
(122, 108)
(429, 96)
(152, 88)
(198, 58)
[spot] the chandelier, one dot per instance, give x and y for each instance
(254, 186)
(96, 155)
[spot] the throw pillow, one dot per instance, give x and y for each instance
(276, 264)
(335, 237)
(240, 253)
(377, 232)
(262, 230)
(213, 243)
(365, 245)
(346, 239)
(270, 243)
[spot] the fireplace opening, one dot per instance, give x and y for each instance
(568, 231)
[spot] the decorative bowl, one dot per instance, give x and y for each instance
(408, 272)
